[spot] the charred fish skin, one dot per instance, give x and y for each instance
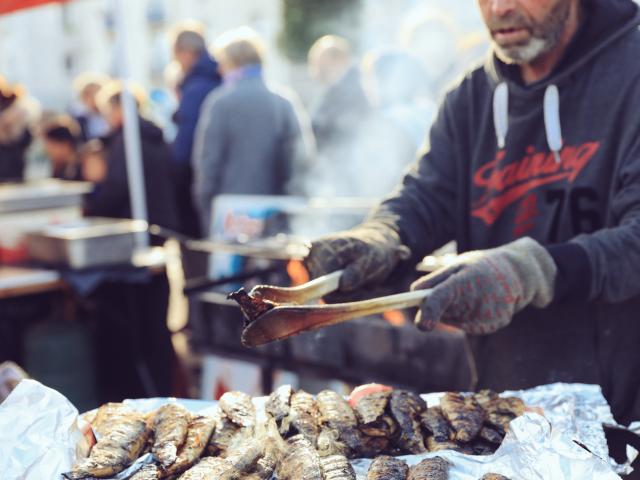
(491, 435)
(115, 451)
(435, 468)
(406, 408)
(336, 414)
(493, 476)
(239, 408)
(337, 467)
(372, 417)
(148, 472)
(371, 447)
(200, 430)
(209, 468)
(433, 420)
(500, 411)
(465, 415)
(435, 446)
(303, 416)
(300, 461)
(170, 425)
(388, 468)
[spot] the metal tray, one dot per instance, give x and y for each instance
(41, 195)
(86, 243)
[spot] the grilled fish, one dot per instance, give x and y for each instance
(279, 403)
(371, 413)
(200, 430)
(387, 468)
(108, 415)
(493, 476)
(500, 412)
(170, 425)
(465, 415)
(116, 450)
(148, 472)
(303, 417)
(239, 408)
(225, 435)
(433, 421)
(406, 408)
(244, 456)
(435, 468)
(337, 467)
(338, 416)
(300, 461)
(209, 468)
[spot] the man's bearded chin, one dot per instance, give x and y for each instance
(523, 54)
(546, 36)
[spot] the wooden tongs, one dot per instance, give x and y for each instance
(275, 313)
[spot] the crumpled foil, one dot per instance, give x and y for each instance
(39, 433)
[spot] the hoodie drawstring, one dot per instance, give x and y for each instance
(552, 125)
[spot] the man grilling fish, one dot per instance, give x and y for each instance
(533, 167)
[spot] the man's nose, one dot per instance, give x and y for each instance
(500, 8)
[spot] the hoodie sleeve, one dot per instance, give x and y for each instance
(208, 156)
(421, 210)
(614, 253)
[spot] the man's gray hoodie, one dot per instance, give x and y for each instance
(558, 161)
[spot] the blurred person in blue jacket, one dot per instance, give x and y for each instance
(199, 77)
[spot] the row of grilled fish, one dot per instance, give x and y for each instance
(321, 433)
(394, 421)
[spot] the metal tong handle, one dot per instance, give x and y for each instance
(283, 322)
(301, 294)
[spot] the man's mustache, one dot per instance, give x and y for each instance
(510, 21)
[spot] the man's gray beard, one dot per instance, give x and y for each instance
(522, 54)
(541, 41)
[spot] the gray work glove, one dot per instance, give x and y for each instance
(368, 254)
(482, 291)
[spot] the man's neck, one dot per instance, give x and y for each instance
(543, 66)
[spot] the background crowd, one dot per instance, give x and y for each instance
(234, 132)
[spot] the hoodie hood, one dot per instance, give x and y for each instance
(604, 22)
(206, 67)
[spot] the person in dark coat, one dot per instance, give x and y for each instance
(200, 77)
(111, 197)
(61, 137)
(15, 135)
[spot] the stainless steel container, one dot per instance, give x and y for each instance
(89, 242)
(41, 195)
